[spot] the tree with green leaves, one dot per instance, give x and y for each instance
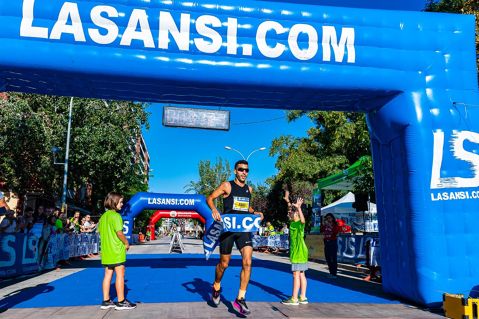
(337, 141)
(210, 177)
(101, 146)
(259, 197)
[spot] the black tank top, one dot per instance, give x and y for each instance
(238, 200)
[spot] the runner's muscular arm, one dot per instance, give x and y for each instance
(222, 190)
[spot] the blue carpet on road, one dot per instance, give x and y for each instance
(185, 278)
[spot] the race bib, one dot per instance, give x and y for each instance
(241, 203)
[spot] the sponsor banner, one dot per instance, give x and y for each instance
(352, 248)
(188, 31)
(274, 241)
(211, 238)
(18, 254)
(171, 201)
(230, 223)
(463, 184)
(65, 246)
(243, 223)
(22, 254)
(454, 195)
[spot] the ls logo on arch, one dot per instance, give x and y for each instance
(461, 144)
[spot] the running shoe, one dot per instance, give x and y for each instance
(303, 301)
(290, 302)
(107, 304)
(125, 305)
(241, 307)
(215, 296)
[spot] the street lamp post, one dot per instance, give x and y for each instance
(67, 153)
(247, 158)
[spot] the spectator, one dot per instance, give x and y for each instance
(298, 254)
(3, 204)
(330, 230)
(75, 224)
(21, 223)
(261, 230)
(88, 226)
(40, 215)
(285, 230)
(49, 211)
(113, 252)
(48, 230)
(269, 231)
(9, 223)
(29, 219)
(59, 224)
(372, 260)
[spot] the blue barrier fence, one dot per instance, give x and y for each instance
(352, 248)
(18, 254)
(22, 254)
(275, 241)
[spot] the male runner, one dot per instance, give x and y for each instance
(236, 200)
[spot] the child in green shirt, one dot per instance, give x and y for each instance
(298, 253)
(113, 252)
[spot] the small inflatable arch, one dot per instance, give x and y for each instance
(165, 204)
(413, 73)
(159, 214)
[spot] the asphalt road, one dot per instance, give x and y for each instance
(177, 285)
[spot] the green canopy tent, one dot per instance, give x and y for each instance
(344, 179)
(340, 181)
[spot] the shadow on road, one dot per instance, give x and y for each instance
(16, 297)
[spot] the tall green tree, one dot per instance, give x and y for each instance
(259, 200)
(276, 207)
(337, 140)
(101, 145)
(211, 175)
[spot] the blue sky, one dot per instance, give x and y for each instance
(176, 152)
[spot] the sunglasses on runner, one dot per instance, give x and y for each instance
(243, 170)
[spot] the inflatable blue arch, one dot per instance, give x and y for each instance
(412, 73)
(154, 201)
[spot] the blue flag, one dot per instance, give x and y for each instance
(244, 223)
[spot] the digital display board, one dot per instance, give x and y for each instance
(196, 118)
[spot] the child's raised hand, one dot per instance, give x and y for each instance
(299, 202)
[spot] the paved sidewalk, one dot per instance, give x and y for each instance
(348, 279)
(202, 310)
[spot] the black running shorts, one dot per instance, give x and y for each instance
(240, 239)
(112, 266)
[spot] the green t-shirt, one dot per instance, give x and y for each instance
(113, 250)
(59, 225)
(298, 251)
